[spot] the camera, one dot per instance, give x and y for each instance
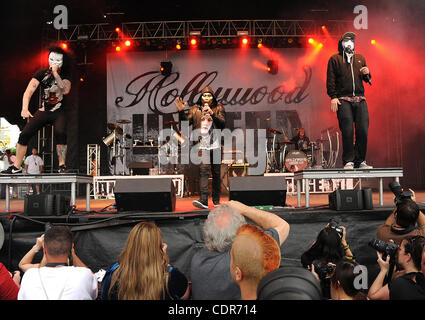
(322, 269)
(334, 224)
(400, 195)
(386, 248)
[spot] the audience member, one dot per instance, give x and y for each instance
(9, 284)
(328, 249)
(410, 285)
(143, 271)
(289, 283)
(343, 282)
(210, 267)
(406, 220)
(57, 280)
(254, 254)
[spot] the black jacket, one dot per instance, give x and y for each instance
(343, 78)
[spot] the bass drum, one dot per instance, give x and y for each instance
(296, 160)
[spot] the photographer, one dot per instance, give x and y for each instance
(408, 286)
(342, 282)
(406, 220)
(329, 248)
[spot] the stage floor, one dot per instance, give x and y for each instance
(185, 204)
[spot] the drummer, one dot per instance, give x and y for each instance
(301, 141)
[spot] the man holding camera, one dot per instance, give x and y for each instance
(406, 220)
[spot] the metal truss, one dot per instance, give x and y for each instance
(180, 30)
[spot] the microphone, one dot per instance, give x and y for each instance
(367, 78)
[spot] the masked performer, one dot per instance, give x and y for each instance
(345, 75)
(206, 115)
(55, 85)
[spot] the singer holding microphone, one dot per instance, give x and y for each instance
(55, 85)
(206, 116)
(345, 75)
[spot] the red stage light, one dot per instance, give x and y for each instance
(81, 79)
(244, 40)
(117, 48)
(323, 27)
(259, 45)
(310, 40)
(128, 43)
(373, 42)
(64, 45)
(178, 46)
(117, 29)
(193, 41)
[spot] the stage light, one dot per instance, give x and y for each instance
(178, 45)
(117, 30)
(244, 41)
(260, 43)
(193, 41)
(127, 43)
(166, 67)
(373, 42)
(290, 40)
(272, 66)
(81, 79)
(117, 48)
(310, 40)
(323, 28)
(64, 45)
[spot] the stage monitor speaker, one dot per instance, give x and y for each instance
(367, 199)
(258, 190)
(346, 200)
(46, 204)
(150, 194)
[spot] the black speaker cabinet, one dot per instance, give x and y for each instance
(258, 190)
(347, 200)
(46, 204)
(150, 194)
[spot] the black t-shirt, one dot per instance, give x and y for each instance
(404, 288)
(177, 286)
(301, 143)
(52, 96)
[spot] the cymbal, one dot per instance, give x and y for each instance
(114, 127)
(274, 131)
(123, 121)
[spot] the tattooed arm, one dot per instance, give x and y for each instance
(61, 151)
(64, 85)
(32, 86)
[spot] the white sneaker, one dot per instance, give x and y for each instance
(364, 165)
(349, 165)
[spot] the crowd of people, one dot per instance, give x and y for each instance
(241, 260)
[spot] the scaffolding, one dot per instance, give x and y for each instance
(93, 160)
(180, 30)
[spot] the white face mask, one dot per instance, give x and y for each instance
(206, 124)
(55, 58)
(207, 98)
(348, 45)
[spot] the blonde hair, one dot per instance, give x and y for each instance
(143, 270)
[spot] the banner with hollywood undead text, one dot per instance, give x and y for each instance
(254, 99)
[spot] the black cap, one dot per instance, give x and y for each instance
(349, 35)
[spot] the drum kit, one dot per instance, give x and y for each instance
(116, 139)
(282, 156)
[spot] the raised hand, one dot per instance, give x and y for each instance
(180, 105)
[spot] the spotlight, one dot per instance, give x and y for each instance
(166, 67)
(272, 66)
(127, 43)
(193, 41)
(260, 43)
(117, 30)
(244, 41)
(64, 45)
(117, 48)
(310, 40)
(373, 41)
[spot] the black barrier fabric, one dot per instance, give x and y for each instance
(98, 246)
